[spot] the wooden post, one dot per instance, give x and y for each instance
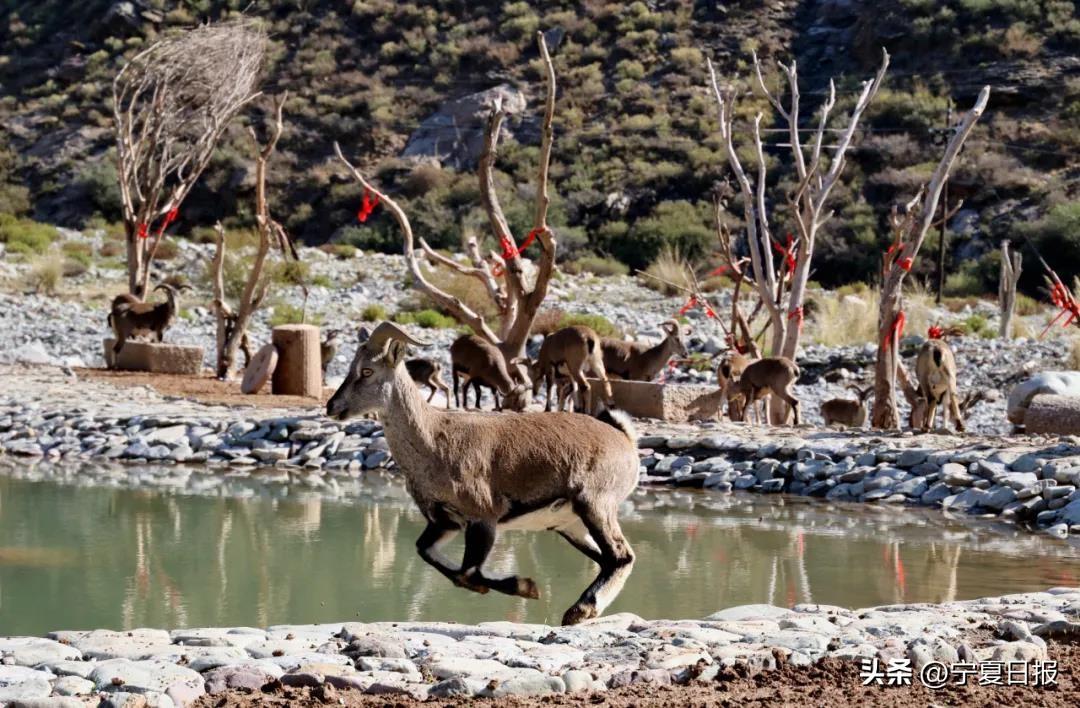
(299, 367)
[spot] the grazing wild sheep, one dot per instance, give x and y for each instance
(481, 363)
(775, 374)
(571, 351)
(635, 361)
(426, 372)
(482, 473)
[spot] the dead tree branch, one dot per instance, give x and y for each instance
(1011, 262)
(232, 325)
(171, 104)
(909, 228)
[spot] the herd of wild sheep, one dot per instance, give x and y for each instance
(570, 356)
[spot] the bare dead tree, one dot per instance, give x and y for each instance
(171, 104)
(782, 289)
(232, 324)
(909, 227)
(1010, 274)
(516, 299)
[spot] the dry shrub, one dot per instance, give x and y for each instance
(844, 319)
(669, 266)
(45, 274)
(166, 250)
(111, 249)
(466, 288)
(547, 321)
(1073, 361)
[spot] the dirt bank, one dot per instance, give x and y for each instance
(830, 682)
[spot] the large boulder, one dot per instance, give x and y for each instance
(454, 135)
(1058, 383)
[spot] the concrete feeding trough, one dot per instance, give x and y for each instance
(1053, 414)
(676, 403)
(155, 357)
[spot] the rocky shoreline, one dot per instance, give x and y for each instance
(446, 660)
(1034, 481)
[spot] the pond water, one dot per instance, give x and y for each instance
(76, 556)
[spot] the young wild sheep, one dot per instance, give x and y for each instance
(328, 348)
(775, 374)
(130, 318)
(571, 352)
(635, 361)
(481, 474)
(844, 411)
(481, 363)
(728, 373)
(935, 369)
(426, 372)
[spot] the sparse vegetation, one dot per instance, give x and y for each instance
(373, 313)
(670, 269)
(428, 319)
(46, 273)
(24, 236)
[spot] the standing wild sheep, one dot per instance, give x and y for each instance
(635, 361)
(130, 317)
(480, 473)
(426, 372)
(935, 369)
(572, 352)
(775, 375)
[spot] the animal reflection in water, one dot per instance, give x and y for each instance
(482, 473)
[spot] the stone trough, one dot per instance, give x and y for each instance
(675, 403)
(155, 357)
(1049, 413)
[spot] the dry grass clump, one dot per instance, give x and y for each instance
(46, 273)
(849, 316)
(669, 266)
(466, 288)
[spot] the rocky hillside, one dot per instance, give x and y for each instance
(637, 158)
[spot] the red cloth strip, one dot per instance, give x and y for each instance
(896, 330)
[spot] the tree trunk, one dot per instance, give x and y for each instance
(886, 411)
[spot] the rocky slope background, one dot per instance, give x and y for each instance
(637, 159)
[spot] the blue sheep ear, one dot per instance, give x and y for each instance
(395, 352)
(364, 334)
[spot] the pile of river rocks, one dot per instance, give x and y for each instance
(444, 660)
(1030, 480)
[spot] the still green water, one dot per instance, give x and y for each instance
(74, 557)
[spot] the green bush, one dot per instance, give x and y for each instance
(977, 325)
(373, 313)
(677, 225)
(25, 236)
(428, 319)
(597, 265)
(285, 313)
(598, 323)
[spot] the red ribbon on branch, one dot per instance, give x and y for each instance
(896, 329)
(143, 231)
(1063, 299)
(935, 332)
(509, 251)
(694, 302)
(367, 205)
(720, 271)
(170, 216)
(905, 264)
(789, 257)
(797, 314)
